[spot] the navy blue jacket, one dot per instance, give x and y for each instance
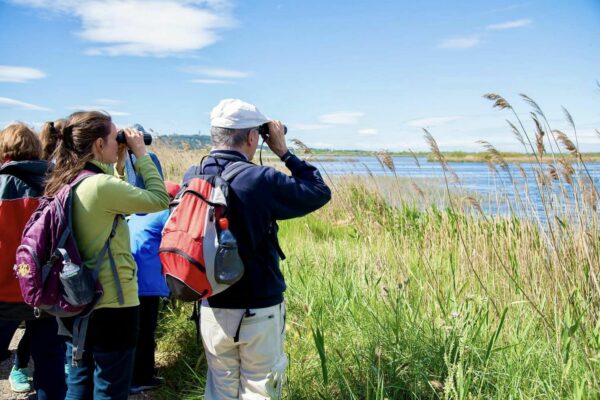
(258, 197)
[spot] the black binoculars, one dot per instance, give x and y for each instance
(147, 136)
(263, 130)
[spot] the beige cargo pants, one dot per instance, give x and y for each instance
(251, 367)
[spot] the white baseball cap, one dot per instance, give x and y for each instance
(236, 114)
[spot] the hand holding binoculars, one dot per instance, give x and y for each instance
(147, 137)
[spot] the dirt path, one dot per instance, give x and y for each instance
(6, 366)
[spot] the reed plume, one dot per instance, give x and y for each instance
(516, 132)
(386, 160)
(567, 143)
(473, 202)
(494, 154)
(300, 145)
(568, 117)
(533, 104)
(415, 158)
(539, 135)
(553, 172)
(590, 195)
(491, 166)
(499, 101)
(417, 189)
(541, 178)
(435, 150)
(567, 170)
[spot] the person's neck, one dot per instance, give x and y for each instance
(241, 151)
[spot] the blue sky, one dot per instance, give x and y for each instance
(341, 74)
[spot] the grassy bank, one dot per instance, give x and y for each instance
(387, 303)
(396, 290)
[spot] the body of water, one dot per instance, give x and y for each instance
(495, 190)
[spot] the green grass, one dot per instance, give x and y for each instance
(386, 307)
(395, 294)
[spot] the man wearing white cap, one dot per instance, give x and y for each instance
(243, 327)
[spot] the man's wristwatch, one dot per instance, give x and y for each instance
(286, 156)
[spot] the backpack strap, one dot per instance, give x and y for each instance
(234, 169)
(81, 322)
(219, 156)
(273, 236)
(46, 268)
(113, 266)
(80, 325)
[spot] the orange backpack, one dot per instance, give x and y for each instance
(191, 237)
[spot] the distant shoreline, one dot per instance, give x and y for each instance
(459, 156)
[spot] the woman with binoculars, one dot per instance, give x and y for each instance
(88, 140)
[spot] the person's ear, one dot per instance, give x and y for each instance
(99, 144)
(251, 137)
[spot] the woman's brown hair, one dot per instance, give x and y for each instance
(75, 145)
(49, 135)
(18, 142)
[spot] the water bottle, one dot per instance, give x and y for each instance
(78, 284)
(228, 264)
(69, 270)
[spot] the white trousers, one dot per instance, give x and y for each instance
(252, 367)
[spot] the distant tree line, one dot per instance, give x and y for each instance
(185, 141)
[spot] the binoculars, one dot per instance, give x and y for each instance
(263, 130)
(147, 136)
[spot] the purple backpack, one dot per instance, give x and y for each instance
(50, 270)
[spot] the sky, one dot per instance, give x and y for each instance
(340, 74)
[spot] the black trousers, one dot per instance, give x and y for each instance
(143, 369)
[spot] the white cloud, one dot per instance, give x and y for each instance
(113, 113)
(144, 28)
(309, 127)
(217, 72)
(108, 102)
(211, 81)
(5, 102)
(432, 121)
(9, 73)
(586, 133)
(519, 23)
(368, 131)
(460, 42)
(341, 118)
(509, 7)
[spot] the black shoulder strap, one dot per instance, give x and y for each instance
(234, 169)
(219, 156)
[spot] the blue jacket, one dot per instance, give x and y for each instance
(145, 232)
(259, 196)
(135, 179)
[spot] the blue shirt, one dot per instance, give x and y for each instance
(145, 232)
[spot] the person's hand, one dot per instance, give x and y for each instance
(121, 156)
(276, 139)
(135, 142)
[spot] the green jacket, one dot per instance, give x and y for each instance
(96, 202)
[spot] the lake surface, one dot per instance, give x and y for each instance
(495, 191)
